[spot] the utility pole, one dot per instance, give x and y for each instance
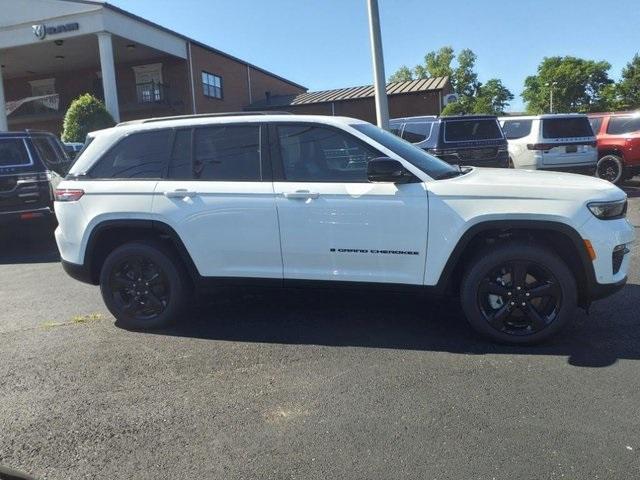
(551, 85)
(380, 82)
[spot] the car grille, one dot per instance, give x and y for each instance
(478, 153)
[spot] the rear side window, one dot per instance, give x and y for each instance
(472, 130)
(596, 123)
(622, 125)
(13, 153)
(514, 129)
(51, 154)
(227, 153)
(566, 127)
(140, 155)
(416, 132)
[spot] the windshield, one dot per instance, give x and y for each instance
(432, 166)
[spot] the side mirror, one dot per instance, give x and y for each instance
(385, 169)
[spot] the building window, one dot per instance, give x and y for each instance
(211, 85)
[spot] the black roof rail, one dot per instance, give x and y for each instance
(200, 115)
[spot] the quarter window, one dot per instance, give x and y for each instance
(596, 123)
(211, 85)
(227, 153)
(317, 154)
(514, 129)
(623, 125)
(140, 155)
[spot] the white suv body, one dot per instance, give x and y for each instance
(560, 142)
(284, 199)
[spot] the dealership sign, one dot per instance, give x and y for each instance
(41, 30)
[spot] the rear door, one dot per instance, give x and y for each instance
(218, 197)
(336, 225)
(568, 141)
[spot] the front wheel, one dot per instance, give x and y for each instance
(143, 285)
(518, 293)
(611, 168)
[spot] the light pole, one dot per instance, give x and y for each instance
(380, 83)
(551, 85)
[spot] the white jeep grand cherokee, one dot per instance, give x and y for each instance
(154, 209)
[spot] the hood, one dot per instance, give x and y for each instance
(527, 184)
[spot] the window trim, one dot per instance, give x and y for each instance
(276, 154)
(221, 97)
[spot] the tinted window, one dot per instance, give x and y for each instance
(51, 154)
(472, 130)
(416, 132)
(317, 154)
(432, 166)
(140, 155)
(596, 123)
(227, 153)
(13, 152)
(514, 129)
(566, 127)
(395, 128)
(180, 163)
(622, 125)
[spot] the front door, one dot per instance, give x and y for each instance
(218, 197)
(334, 223)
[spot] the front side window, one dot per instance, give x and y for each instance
(623, 125)
(312, 153)
(211, 85)
(13, 153)
(566, 127)
(227, 153)
(140, 155)
(514, 129)
(472, 130)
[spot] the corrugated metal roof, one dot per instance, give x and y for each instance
(352, 93)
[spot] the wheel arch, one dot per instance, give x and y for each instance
(109, 234)
(559, 237)
(611, 150)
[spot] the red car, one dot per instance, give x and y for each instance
(618, 136)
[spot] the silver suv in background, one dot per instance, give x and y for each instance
(563, 142)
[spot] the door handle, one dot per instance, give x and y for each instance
(301, 194)
(179, 193)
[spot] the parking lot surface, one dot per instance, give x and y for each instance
(307, 384)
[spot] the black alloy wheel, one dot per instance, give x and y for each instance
(610, 168)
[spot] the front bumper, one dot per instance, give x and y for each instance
(78, 272)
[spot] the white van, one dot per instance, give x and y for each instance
(562, 142)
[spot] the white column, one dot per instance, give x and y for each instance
(108, 75)
(4, 124)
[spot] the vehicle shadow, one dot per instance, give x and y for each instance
(632, 187)
(395, 321)
(28, 244)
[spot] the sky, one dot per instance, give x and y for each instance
(324, 44)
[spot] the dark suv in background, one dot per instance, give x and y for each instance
(31, 165)
(475, 140)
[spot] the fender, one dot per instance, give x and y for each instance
(508, 225)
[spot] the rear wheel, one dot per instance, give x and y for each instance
(611, 168)
(143, 286)
(518, 293)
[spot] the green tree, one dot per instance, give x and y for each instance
(404, 74)
(627, 92)
(492, 98)
(579, 85)
(85, 114)
(465, 79)
(436, 64)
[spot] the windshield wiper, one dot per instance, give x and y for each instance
(452, 173)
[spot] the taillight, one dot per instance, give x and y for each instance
(67, 194)
(540, 146)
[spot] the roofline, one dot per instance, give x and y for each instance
(184, 37)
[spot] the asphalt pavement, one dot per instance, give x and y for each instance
(307, 385)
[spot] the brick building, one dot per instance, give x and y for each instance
(52, 51)
(406, 99)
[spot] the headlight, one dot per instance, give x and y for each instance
(609, 210)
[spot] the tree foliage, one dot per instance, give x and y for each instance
(85, 114)
(580, 85)
(474, 97)
(626, 94)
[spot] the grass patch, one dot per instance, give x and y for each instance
(78, 319)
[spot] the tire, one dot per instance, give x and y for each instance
(496, 308)
(611, 168)
(152, 300)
